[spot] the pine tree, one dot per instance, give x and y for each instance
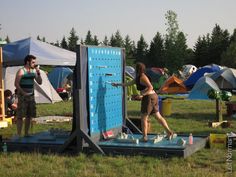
(219, 43)
(233, 36)
(181, 51)
(72, 40)
(201, 51)
(141, 51)
(88, 39)
(112, 41)
(229, 56)
(63, 43)
(95, 40)
(116, 41)
(105, 41)
(128, 51)
(156, 52)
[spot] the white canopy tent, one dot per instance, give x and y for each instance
(47, 54)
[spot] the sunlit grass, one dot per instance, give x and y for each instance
(187, 116)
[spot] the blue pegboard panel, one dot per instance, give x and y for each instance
(105, 66)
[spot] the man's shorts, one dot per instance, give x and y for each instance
(26, 106)
(149, 104)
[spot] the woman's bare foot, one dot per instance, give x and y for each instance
(144, 139)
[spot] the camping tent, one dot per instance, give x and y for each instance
(157, 85)
(129, 70)
(44, 93)
(132, 89)
(173, 85)
(202, 86)
(59, 76)
(153, 74)
(198, 74)
(157, 76)
(187, 70)
(15, 52)
(225, 78)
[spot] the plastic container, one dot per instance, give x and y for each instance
(166, 107)
(218, 141)
(190, 139)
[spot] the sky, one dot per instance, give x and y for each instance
(54, 19)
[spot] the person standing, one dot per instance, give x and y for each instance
(149, 104)
(24, 83)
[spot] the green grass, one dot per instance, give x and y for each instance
(187, 116)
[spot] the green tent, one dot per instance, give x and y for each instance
(157, 85)
(131, 90)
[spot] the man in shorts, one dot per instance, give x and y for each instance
(24, 83)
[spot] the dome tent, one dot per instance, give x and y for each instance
(173, 85)
(189, 83)
(201, 88)
(225, 78)
(59, 76)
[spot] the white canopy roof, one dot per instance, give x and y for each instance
(47, 54)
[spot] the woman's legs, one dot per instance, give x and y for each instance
(144, 123)
(163, 122)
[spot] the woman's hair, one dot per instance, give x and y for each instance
(140, 68)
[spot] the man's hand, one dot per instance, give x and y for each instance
(37, 69)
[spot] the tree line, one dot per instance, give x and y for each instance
(169, 50)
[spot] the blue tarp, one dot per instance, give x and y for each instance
(199, 73)
(58, 75)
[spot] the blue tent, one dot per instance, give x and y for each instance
(199, 73)
(59, 75)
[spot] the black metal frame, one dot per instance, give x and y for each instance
(79, 136)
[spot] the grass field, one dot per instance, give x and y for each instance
(187, 116)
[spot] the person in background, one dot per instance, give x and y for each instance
(10, 105)
(24, 83)
(14, 97)
(149, 103)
